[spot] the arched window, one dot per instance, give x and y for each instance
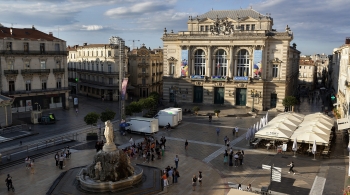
(199, 62)
(243, 63)
(221, 63)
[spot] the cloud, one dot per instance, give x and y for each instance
(92, 27)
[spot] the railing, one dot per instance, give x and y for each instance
(34, 91)
(31, 71)
(143, 74)
(98, 83)
(97, 72)
(10, 71)
(58, 70)
(22, 52)
(13, 129)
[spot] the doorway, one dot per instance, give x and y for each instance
(219, 94)
(273, 101)
(197, 94)
(241, 96)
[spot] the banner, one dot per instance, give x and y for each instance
(124, 85)
(257, 68)
(184, 63)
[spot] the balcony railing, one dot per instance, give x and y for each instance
(6, 72)
(17, 92)
(143, 64)
(33, 71)
(22, 52)
(71, 69)
(99, 83)
(58, 70)
(143, 74)
(97, 72)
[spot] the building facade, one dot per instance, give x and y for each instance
(230, 57)
(94, 69)
(322, 64)
(146, 71)
(33, 69)
(307, 73)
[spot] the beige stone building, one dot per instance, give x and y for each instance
(307, 73)
(33, 69)
(94, 68)
(230, 57)
(146, 71)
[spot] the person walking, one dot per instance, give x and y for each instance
(27, 162)
(240, 158)
(176, 159)
(170, 175)
(194, 182)
(9, 183)
(165, 179)
(163, 148)
(57, 156)
(236, 159)
(32, 170)
(291, 166)
(217, 131)
(186, 144)
(225, 139)
(225, 157)
(236, 131)
(210, 117)
(176, 175)
(230, 162)
(61, 161)
(200, 177)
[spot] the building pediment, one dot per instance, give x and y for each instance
(276, 60)
(172, 59)
(206, 20)
(248, 19)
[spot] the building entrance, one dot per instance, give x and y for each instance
(219, 94)
(273, 101)
(197, 94)
(241, 96)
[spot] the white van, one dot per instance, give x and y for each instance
(142, 125)
(178, 110)
(165, 117)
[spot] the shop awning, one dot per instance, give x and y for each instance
(343, 123)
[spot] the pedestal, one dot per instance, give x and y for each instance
(109, 147)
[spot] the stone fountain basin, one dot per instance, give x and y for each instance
(91, 185)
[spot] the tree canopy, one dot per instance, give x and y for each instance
(91, 118)
(107, 115)
(289, 101)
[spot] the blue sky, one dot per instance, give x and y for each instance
(318, 25)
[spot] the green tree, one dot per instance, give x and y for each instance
(289, 101)
(135, 107)
(107, 115)
(91, 118)
(154, 95)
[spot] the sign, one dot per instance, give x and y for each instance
(284, 147)
(197, 77)
(184, 63)
(267, 167)
(218, 77)
(257, 67)
(75, 101)
(276, 174)
(240, 78)
(124, 85)
(28, 103)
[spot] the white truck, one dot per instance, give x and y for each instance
(142, 125)
(165, 117)
(176, 110)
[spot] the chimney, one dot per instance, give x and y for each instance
(85, 44)
(11, 30)
(33, 27)
(347, 40)
(50, 33)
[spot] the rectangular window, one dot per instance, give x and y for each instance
(11, 86)
(109, 68)
(247, 27)
(42, 48)
(143, 70)
(102, 67)
(88, 53)
(253, 26)
(242, 27)
(101, 53)
(43, 64)
(202, 28)
(57, 47)
(110, 81)
(9, 46)
(172, 69)
(28, 86)
(58, 84)
(43, 85)
(143, 81)
(206, 28)
(274, 71)
(92, 66)
(109, 53)
(96, 66)
(25, 47)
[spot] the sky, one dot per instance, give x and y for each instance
(319, 26)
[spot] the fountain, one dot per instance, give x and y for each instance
(111, 169)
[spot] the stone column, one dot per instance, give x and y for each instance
(208, 73)
(230, 65)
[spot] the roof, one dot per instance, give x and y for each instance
(26, 33)
(93, 45)
(233, 14)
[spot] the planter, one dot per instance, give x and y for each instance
(217, 114)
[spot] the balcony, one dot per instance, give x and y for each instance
(143, 74)
(58, 70)
(99, 83)
(96, 72)
(22, 52)
(143, 65)
(35, 71)
(71, 69)
(8, 72)
(19, 92)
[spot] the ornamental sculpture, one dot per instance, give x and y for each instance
(222, 27)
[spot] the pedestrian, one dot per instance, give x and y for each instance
(291, 166)
(225, 139)
(210, 117)
(27, 162)
(68, 152)
(9, 183)
(228, 143)
(236, 159)
(240, 158)
(230, 162)
(236, 131)
(131, 141)
(176, 161)
(249, 187)
(243, 156)
(217, 131)
(170, 175)
(61, 161)
(225, 156)
(186, 144)
(239, 187)
(57, 156)
(32, 166)
(200, 177)
(163, 148)
(76, 111)
(165, 179)
(194, 182)
(176, 175)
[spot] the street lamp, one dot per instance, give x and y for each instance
(254, 94)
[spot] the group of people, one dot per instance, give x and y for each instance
(229, 156)
(170, 174)
(99, 145)
(194, 180)
(29, 164)
(60, 158)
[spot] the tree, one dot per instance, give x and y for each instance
(107, 115)
(289, 101)
(91, 118)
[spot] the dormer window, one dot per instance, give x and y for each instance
(42, 48)
(25, 47)
(9, 46)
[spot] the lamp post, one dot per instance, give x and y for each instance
(254, 94)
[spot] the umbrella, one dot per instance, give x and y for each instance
(295, 146)
(247, 134)
(314, 149)
(266, 118)
(262, 123)
(310, 137)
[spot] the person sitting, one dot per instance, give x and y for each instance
(239, 187)
(167, 126)
(249, 187)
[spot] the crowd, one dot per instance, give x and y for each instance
(61, 157)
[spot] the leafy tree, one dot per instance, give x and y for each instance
(154, 95)
(107, 115)
(91, 118)
(135, 107)
(289, 101)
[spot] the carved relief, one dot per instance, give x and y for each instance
(27, 77)
(241, 85)
(198, 83)
(11, 77)
(219, 84)
(172, 59)
(222, 27)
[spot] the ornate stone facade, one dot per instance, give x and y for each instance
(225, 55)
